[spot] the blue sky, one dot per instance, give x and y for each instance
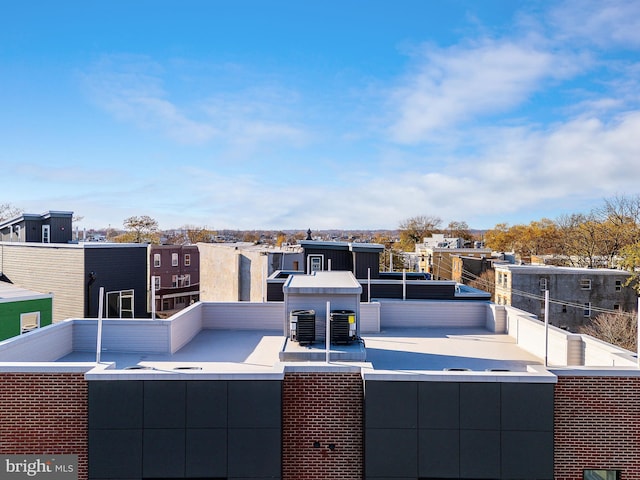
(334, 114)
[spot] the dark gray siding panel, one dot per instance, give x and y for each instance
(391, 452)
(439, 405)
(480, 454)
(255, 404)
(115, 405)
(275, 292)
(207, 404)
(61, 229)
(464, 430)
(254, 452)
(340, 259)
(164, 404)
(422, 290)
(32, 230)
(366, 261)
(527, 455)
(480, 397)
(115, 453)
(191, 429)
(206, 453)
(392, 405)
(163, 453)
(527, 407)
(436, 448)
(116, 269)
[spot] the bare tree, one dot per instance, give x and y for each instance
(459, 230)
(619, 329)
(486, 281)
(413, 230)
(7, 211)
(142, 228)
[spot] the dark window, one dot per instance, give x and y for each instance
(601, 475)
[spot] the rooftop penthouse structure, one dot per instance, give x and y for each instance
(425, 389)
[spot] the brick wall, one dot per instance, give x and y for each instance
(44, 413)
(324, 408)
(597, 425)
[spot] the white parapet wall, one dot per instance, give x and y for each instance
(45, 344)
(563, 348)
(433, 313)
(185, 325)
(496, 320)
(123, 335)
(243, 316)
(370, 317)
(597, 352)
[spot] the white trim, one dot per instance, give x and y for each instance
(47, 229)
(309, 262)
(27, 330)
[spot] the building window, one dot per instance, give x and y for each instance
(296, 265)
(315, 263)
(601, 475)
(586, 312)
(120, 304)
(187, 259)
(616, 306)
(564, 309)
(156, 281)
(156, 260)
(46, 233)
(185, 280)
(543, 284)
(618, 285)
(174, 259)
(174, 281)
(585, 284)
(29, 321)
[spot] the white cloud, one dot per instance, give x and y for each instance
(131, 89)
(604, 23)
(452, 86)
(134, 90)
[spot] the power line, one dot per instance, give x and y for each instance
(467, 275)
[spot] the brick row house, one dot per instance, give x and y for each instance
(175, 271)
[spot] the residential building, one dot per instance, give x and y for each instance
(74, 273)
(435, 255)
(175, 273)
(22, 310)
(231, 272)
(363, 261)
(49, 227)
(447, 389)
(576, 294)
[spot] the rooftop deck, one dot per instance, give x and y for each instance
(473, 340)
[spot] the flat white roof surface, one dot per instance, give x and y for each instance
(395, 349)
(14, 292)
(323, 280)
(443, 349)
